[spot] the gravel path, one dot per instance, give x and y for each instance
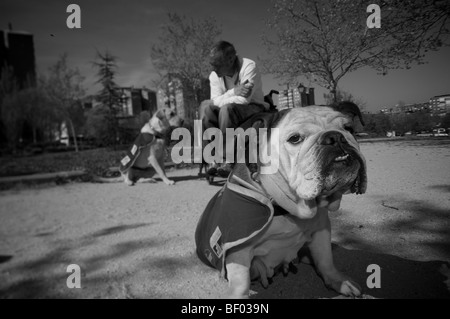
(138, 242)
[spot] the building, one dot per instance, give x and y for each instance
(17, 52)
(171, 93)
(407, 108)
(17, 55)
(133, 101)
(297, 97)
(437, 106)
(440, 104)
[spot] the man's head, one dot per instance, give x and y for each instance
(222, 58)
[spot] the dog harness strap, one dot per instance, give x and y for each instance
(156, 133)
(284, 196)
(142, 141)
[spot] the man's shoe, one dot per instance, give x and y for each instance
(211, 169)
(224, 170)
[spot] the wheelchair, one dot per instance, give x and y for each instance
(272, 108)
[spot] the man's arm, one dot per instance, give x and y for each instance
(218, 92)
(220, 97)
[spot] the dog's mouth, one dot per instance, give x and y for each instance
(343, 171)
(333, 173)
(342, 158)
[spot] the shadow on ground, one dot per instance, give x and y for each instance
(400, 278)
(417, 227)
(442, 188)
(46, 276)
(4, 259)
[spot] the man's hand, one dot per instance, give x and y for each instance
(244, 89)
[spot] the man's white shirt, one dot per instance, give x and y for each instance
(248, 72)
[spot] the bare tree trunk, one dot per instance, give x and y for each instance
(197, 104)
(72, 128)
(34, 135)
(334, 92)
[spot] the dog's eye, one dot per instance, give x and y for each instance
(295, 139)
(349, 129)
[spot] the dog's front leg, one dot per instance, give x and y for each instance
(238, 273)
(157, 166)
(320, 247)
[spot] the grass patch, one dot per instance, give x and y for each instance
(94, 161)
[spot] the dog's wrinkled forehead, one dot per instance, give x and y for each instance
(320, 116)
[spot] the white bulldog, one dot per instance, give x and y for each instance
(258, 222)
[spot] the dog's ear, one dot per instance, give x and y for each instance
(349, 108)
(161, 114)
(266, 120)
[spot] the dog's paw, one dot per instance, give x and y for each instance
(129, 182)
(350, 288)
(169, 182)
(342, 284)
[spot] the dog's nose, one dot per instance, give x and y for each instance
(332, 138)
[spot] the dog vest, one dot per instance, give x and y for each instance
(237, 213)
(143, 140)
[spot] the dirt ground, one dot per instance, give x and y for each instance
(138, 242)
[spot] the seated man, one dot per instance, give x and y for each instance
(236, 93)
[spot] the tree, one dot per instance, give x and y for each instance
(100, 123)
(12, 118)
(8, 85)
(27, 108)
(377, 124)
(108, 97)
(107, 66)
(422, 122)
(445, 123)
(324, 40)
(64, 88)
(182, 52)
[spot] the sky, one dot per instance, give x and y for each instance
(127, 29)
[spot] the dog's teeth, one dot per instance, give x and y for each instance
(341, 158)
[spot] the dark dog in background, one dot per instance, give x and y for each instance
(146, 155)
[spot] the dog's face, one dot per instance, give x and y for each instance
(319, 158)
(165, 119)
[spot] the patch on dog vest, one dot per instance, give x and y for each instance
(125, 160)
(134, 149)
(216, 243)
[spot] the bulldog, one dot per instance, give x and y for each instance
(146, 155)
(257, 223)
